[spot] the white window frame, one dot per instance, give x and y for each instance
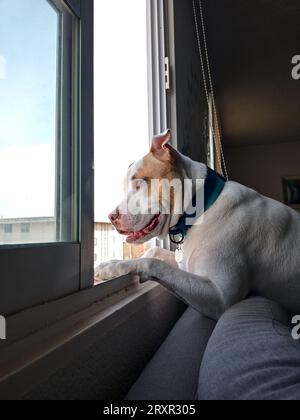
(158, 121)
(157, 72)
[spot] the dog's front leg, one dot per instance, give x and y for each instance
(200, 293)
(162, 255)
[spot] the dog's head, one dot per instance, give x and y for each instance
(154, 194)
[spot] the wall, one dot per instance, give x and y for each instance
(262, 167)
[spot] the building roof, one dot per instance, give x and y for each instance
(28, 220)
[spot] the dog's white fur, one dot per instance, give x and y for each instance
(246, 244)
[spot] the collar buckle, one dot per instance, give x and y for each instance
(177, 237)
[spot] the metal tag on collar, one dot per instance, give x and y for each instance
(177, 238)
(179, 254)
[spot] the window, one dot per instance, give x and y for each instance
(34, 119)
(8, 228)
(46, 50)
(47, 137)
(25, 227)
(123, 112)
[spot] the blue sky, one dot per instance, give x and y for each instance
(28, 48)
(28, 31)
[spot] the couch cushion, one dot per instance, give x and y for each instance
(251, 355)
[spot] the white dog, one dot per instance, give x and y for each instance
(243, 243)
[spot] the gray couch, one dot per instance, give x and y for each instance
(248, 355)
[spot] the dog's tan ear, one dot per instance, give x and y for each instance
(159, 146)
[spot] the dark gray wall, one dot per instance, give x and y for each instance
(262, 167)
(251, 45)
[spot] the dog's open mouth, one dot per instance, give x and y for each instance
(141, 234)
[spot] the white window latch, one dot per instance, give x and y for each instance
(167, 73)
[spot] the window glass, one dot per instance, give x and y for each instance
(8, 228)
(32, 127)
(25, 228)
(121, 114)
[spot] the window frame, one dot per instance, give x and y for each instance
(33, 274)
(159, 116)
(156, 33)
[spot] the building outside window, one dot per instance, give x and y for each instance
(29, 230)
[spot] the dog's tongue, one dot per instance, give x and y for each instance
(137, 236)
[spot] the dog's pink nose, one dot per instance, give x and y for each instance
(115, 215)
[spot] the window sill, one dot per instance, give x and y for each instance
(32, 320)
(37, 332)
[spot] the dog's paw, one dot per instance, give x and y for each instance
(115, 269)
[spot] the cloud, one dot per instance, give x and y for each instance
(2, 68)
(27, 181)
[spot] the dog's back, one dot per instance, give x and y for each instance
(248, 235)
